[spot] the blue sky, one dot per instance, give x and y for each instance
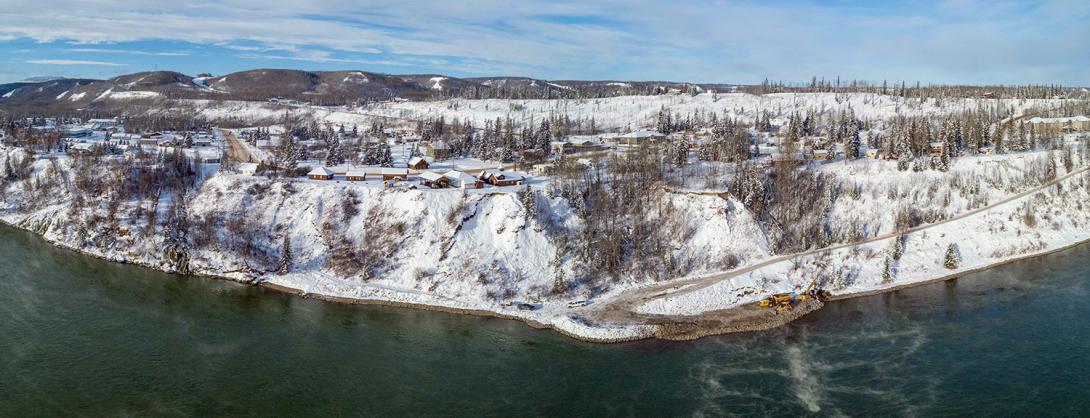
(939, 41)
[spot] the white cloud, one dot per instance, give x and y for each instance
(74, 62)
(730, 41)
(129, 52)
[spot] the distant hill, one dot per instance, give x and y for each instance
(317, 87)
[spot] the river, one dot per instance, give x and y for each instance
(81, 336)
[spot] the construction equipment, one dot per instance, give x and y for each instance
(784, 301)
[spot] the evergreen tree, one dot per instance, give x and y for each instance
(953, 257)
(334, 156)
(558, 270)
(852, 148)
(285, 256)
(903, 149)
(529, 202)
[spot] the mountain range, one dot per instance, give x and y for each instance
(315, 87)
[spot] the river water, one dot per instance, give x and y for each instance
(80, 336)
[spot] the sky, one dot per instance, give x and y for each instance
(931, 41)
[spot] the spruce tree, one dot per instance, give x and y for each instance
(529, 201)
(285, 257)
(953, 257)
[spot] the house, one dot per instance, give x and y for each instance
(462, 180)
(434, 180)
(986, 150)
(418, 163)
(356, 174)
(870, 153)
(320, 173)
(502, 178)
(936, 149)
(561, 147)
(638, 137)
(544, 168)
(821, 155)
(388, 173)
(438, 150)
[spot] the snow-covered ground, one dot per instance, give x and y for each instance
(613, 113)
(478, 251)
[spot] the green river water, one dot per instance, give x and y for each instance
(85, 337)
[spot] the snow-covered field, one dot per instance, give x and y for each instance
(614, 113)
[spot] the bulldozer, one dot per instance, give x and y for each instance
(784, 301)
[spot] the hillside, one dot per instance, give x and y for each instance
(315, 87)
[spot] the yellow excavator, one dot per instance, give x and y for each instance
(784, 301)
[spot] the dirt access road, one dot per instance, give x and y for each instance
(621, 309)
(236, 150)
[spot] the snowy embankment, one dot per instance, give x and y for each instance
(1025, 224)
(477, 251)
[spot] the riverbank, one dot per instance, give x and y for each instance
(694, 328)
(358, 244)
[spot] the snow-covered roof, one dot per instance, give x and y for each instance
(415, 160)
(320, 171)
(506, 175)
(356, 172)
(642, 133)
(430, 176)
(439, 145)
(459, 176)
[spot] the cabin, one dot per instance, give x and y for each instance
(356, 174)
(462, 180)
(986, 150)
(433, 180)
(389, 173)
(418, 163)
(936, 149)
(320, 173)
(502, 178)
(869, 153)
(821, 155)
